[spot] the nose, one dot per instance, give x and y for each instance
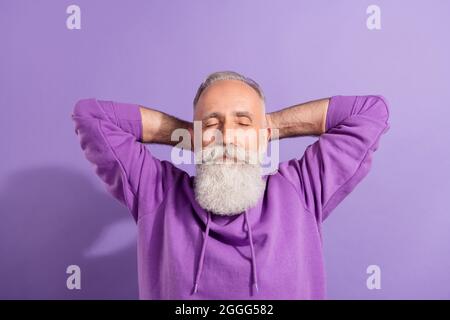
(228, 133)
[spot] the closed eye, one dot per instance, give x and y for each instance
(244, 120)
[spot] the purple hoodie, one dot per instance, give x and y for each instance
(271, 251)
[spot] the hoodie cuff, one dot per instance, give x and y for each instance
(339, 108)
(125, 115)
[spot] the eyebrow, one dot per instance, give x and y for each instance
(243, 114)
(212, 115)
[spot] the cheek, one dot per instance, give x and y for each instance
(248, 139)
(210, 135)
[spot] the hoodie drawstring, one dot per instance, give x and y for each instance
(202, 254)
(252, 249)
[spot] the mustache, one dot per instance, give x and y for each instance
(214, 154)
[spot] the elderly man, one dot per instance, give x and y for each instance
(231, 232)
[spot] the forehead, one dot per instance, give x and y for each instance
(228, 95)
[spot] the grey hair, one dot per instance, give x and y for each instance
(229, 75)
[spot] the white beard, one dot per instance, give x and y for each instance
(228, 188)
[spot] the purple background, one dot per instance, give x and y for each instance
(55, 211)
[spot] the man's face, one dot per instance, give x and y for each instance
(228, 181)
(235, 110)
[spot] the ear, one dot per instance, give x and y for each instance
(265, 139)
(191, 135)
(269, 134)
(269, 126)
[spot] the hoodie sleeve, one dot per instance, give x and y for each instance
(110, 135)
(332, 166)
